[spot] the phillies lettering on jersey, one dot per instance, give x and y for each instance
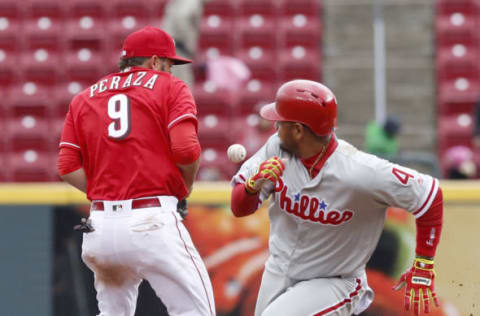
(309, 208)
(317, 223)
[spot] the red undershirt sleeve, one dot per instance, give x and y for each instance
(243, 203)
(184, 142)
(69, 160)
(429, 227)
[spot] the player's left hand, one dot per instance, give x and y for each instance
(419, 281)
(182, 208)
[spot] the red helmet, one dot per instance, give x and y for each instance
(304, 101)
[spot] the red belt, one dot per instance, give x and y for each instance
(136, 204)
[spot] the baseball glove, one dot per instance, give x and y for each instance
(85, 226)
(182, 208)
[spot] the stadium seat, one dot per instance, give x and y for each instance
(262, 61)
(85, 25)
(31, 166)
(256, 92)
(456, 129)
(456, 26)
(62, 96)
(223, 8)
(28, 132)
(29, 98)
(215, 165)
(215, 131)
(8, 66)
(84, 65)
(211, 100)
(457, 60)
(257, 29)
(126, 17)
(300, 62)
(300, 29)
(43, 23)
(458, 96)
(41, 65)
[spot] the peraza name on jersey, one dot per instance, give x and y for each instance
(310, 208)
(138, 78)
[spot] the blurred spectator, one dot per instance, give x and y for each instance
(459, 163)
(476, 125)
(227, 72)
(181, 20)
(382, 140)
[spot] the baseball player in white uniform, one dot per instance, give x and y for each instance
(328, 202)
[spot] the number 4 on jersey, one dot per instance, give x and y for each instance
(401, 175)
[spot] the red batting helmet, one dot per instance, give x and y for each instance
(304, 101)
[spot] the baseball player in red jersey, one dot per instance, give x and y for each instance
(130, 142)
(327, 209)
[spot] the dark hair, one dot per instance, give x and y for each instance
(130, 62)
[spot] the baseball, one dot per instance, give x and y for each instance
(236, 153)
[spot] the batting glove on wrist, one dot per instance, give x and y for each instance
(269, 170)
(419, 281)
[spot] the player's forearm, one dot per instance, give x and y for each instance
(243, 203)
(189, 173)
(429, 228)
(77, 178)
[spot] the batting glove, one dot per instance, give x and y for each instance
(419, 282)
(269, 170)
(182, 208)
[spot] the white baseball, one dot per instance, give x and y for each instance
(236, 153)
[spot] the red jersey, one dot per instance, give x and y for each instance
(121, 126)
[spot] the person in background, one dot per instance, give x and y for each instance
(382, 139)
(459, 163)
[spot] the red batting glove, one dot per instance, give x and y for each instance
(271, 170)
(419, 281)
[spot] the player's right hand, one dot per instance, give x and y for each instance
(269, 170)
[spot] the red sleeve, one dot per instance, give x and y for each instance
(181, 104)
(184, 142)
(429, 227)
(69, 138)
(243, 203)
(69, 160)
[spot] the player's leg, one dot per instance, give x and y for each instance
(329, 296)
(271, 287)
(179, 276)
(116, 282)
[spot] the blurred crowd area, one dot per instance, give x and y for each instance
(243, 50)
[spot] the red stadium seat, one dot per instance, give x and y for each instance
(43, 24)
(8, 66)
(41, 65)
(458, 96)
(457, 60)
(257, 29)
(463, 6)
(257, 92)
(455, 27)
(63, 94)
(300, 62)
(262, 61)
(216, 33)
(85, 25)
(31, 166)
(224, 8)
(126, 17)
(29, 98)
(454, 130)
(211, 100)
(215, 131)
(215, 165)
(300, 29)
(85, 65)
(28, 132)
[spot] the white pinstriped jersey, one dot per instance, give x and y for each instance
(331, 224)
